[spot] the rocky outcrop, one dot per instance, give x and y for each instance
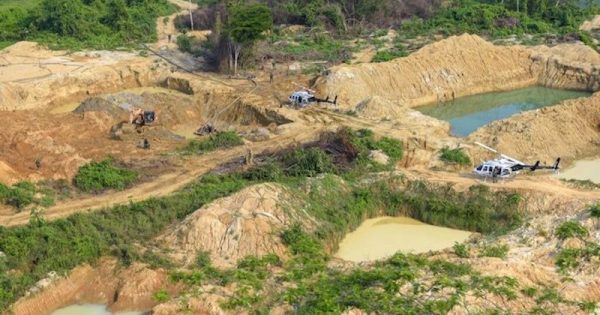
(460, 66)
(231, 228)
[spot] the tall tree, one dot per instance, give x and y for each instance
(247, 23)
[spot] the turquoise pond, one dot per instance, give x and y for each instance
(467, 114)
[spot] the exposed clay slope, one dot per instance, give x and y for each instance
(109, 283)
(33, 77)
(569, 130)
(459, 66)
(231, 228)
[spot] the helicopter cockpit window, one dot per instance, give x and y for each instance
(479, 167)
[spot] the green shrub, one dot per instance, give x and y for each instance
(4, 192)
(387, 55)
(391, 147)
(224, 139)
(19, 197)
(203, 259)
(308, 162)
(499, 251)
(269, 172)
(570, 229)
(567, 258)
(161, 296)
(461, 250)
(594, 210)
(97, 176)
(184, 43)
(455, 156)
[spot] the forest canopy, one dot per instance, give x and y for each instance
(76, 24)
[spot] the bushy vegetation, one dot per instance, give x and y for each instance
(77, 24)
(308, 162)
(222, 139)
(455, 156)
(99, 176)
(34, 250)
(23, 194)
(503, 18)
(499, 251)
(461, 250)
(40, 247)
(595, 210)
(571, 229)
(571, 258)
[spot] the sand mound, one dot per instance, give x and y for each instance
(231, 228)
(453, 67)
(96, 104)
(568, 130)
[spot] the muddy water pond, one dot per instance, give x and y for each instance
(382, 237)
(89, 309)
(467, 114)
(583, 170)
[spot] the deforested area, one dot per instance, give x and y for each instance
(299, 157)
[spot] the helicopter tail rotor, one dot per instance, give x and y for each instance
(555, 167)
(535, 166)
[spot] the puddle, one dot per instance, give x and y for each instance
(467, 114)
(89, 309)
(382, 237)
(583, 170)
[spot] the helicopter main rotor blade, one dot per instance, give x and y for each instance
(486, 147)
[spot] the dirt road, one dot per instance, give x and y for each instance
(163, 185)
(309, 124)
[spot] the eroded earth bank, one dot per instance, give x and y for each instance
(226, 232)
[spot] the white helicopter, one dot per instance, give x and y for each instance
(505, 166)
(305, 96)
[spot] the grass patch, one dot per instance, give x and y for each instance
(224, 139)
(98, 176)
(570, 229)
(454, 156)
(499, 251)
(35, 249)
(23, 194)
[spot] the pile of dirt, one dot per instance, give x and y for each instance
(33, 77)
(569, 131)
(231, 228)
(460, 66)
(109, 283)
(97, 104)
(454, 67)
